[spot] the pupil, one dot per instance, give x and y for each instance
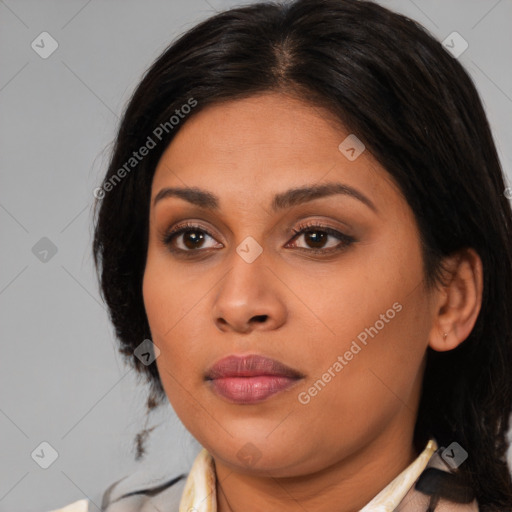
(192, 235)
(316, 238)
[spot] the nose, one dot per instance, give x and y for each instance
(250, 297)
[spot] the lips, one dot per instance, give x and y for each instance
(249, 379)
(250, 366)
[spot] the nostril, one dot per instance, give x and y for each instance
(260, 318)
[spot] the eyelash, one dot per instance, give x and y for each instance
(345, 240)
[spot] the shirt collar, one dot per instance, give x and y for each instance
(199, 493)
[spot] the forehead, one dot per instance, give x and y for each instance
(249, 149)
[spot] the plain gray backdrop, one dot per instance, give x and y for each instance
(61, 379)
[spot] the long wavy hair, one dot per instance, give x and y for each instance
(416, 110)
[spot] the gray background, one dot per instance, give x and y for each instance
(61, 379)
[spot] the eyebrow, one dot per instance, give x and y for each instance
(281, 201)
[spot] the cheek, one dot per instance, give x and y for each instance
(164, 292)
(375, 318)
(363, 380)
(165, 309)
(158, 304)
(172, 307)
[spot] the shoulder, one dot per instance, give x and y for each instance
(164, 495)
(76, 506)
(439, 489)
(134, 493)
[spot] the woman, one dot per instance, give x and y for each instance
(305, 245)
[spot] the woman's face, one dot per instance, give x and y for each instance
(342, 304)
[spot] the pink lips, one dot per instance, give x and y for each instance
(250, 379)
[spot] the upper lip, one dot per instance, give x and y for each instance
(249, 366)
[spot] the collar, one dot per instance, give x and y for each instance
(200, 494)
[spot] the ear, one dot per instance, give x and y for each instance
(458, 301)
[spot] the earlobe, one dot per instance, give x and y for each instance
(459, 301)
(444, 342)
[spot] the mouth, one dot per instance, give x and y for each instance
(250, 379)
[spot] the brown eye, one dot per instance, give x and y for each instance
(192, 238)
(316, 236)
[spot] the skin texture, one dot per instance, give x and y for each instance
(355, 435)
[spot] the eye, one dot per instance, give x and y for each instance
(317, 234)
(192, 236)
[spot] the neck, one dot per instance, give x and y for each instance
(346, 486)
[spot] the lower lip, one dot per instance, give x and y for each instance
(248, 390)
